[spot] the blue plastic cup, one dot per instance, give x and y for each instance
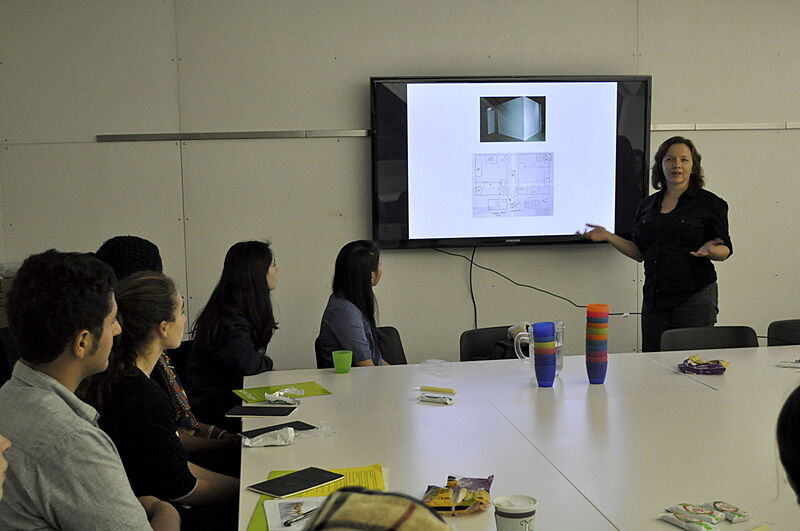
(597, 319)
(544, 329)
(597, 347)
(596, 370)
(544, 359)
(545, 374)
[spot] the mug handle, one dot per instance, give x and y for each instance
(517, 341)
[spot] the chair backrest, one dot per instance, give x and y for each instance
(180, 358)
(708, 337)
(786, 332)
(11, 351)
(391, 346)
(479, 344)
(322, 361)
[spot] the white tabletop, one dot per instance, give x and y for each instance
(596, 456)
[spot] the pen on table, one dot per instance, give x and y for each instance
(295, 519)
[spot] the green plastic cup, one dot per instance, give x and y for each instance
(342, 359)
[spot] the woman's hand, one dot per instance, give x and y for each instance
(597, 234)
(713, 250)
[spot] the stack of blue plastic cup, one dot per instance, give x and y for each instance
(544, 353)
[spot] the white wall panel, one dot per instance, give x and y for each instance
(73, 70)
(721, 60)
(307, 197)
(283, 64)
(73, 197)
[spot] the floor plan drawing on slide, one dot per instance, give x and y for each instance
(512, 184)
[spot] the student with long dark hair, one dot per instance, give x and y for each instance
(232, 332)
(348, 322)
(136, 412)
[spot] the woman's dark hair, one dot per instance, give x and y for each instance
(144, 300)
(242, 289)
(352, 276)
(55, 295)
(695, 179)
(788, 435)
(129, 254)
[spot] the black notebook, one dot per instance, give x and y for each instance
(260, 411)
(295, 482)
(298, 425)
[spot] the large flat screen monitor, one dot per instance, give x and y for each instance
(479, 161)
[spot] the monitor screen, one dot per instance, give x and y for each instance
(506, 161)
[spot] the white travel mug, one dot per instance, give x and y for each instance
(516, 512)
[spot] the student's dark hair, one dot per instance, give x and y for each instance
(53, 297)
(242, 289)
(788, 434)
(129, 254)
(697, 178)
(352, 275)
(144, 300)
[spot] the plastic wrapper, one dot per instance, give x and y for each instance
(459, 496)
(282, 437)
(731, 512)
(688, 521)
(281, 398)
(436, 399)
(695, 365)
(705, 514)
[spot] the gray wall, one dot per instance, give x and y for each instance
(73, 70)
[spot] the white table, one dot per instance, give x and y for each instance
(596, 456)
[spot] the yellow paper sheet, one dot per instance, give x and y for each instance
(370, 477)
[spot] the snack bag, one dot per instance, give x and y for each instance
(703, 513)
(460, 496)
(688, 521)
(732, 513)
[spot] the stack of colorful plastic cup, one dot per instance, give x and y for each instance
(544, 352)
(596, 342)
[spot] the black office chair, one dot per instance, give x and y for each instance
(5, 370)
(322, 361)
(786, 332)
(9, 346)
(180, 358)
(482, 344)
(704, 337)
(391, 346)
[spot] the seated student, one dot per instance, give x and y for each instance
(65, 472)
(205, 444)
(348, 322)
(232, 332)
(788, 434)
(136, 412)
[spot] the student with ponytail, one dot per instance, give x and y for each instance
(137, 414)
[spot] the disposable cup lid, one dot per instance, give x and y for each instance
(515, 503)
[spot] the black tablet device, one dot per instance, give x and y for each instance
(295, 482)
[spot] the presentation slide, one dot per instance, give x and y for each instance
(510, 159)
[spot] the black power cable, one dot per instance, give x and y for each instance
(472, 263)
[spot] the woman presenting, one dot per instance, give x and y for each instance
(678, 232)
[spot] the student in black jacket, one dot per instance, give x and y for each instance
(232, 332)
